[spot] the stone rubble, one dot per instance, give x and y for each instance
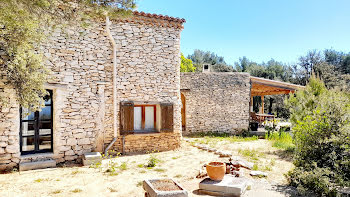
(258, 173)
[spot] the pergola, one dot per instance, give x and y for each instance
(261, 87)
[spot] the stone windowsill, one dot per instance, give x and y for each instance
(36, 155)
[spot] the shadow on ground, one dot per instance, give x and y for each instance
(286, 155)
(286, 190)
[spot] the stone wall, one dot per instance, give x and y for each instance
(9, 122)
(217, 102)
(148, 70)
(147, 143)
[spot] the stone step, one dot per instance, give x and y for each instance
(229, 186)
(24, 166)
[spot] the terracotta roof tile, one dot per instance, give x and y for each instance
(159, 16)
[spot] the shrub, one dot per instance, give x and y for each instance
(321, 126)
(123, 166)
(281, 140)
(152, 161)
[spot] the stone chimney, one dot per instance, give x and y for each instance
(206, 68)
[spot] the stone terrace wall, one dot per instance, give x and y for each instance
(81, 79)
(217, 102)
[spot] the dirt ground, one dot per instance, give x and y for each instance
(181, 164)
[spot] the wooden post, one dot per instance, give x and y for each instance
(262, 104)
(251, 104)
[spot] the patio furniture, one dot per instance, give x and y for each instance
(255, 118)
(264, 117)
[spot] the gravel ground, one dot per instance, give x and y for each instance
(181, 164)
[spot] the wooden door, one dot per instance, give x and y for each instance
(183, 111)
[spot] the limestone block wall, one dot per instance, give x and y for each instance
(80, 61)
(9, 122)
(217, 102)
(148, 71)
(146, 143)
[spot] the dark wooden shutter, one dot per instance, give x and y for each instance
(126, 117)
(167, 117)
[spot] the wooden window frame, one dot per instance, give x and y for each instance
(143, 116)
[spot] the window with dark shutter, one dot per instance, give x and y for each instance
(167, 117)
(126, 117)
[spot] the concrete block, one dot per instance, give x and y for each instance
(229, 186)
(90, 162)
(152, 192)
(91, 158)
(24, 166)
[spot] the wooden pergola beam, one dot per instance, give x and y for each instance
(271, 93)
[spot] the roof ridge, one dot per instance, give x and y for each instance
(160, 16)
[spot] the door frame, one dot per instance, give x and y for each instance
(183, 112)
(36, 130)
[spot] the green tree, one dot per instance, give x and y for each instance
(218, 63)
(22, 27)
(243, 64)
(321, 124)
(186, 65)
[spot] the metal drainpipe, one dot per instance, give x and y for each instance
(114, 83)
(123, 145)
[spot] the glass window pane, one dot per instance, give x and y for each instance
(28, 128)
(44, 127)
(28, 143)
(149, 117)
(137, 118)
(45, 113)
(45, 142)
(28, 115)
(47, 99)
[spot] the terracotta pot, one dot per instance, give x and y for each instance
(216, 170)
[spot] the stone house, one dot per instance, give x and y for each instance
(117, 86)
(223, 102)
(134, 107)
(215, 102)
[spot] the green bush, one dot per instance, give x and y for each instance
(281, 140)
(321, 128)
(317, 180)
(152, 161)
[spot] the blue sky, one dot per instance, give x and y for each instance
(258, 29)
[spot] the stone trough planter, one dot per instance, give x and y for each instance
(163, 188)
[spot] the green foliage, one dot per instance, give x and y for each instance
(22, 27)
(312, 179)
(19, 63)
(123, 166)
(77, 190)
(322, 138)
(40, 180)
(112, 168)
(152, 161)
(251, 154)
(212, 138)
(140, 165)
(333, 67)
(218, 63)
(139, 184)
(281, 140)
(186, 65)
(160, 170)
